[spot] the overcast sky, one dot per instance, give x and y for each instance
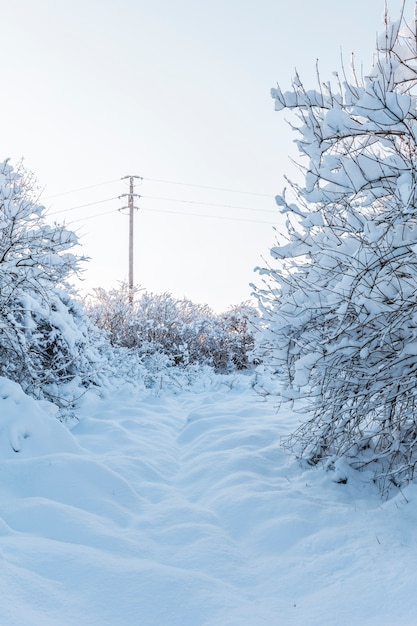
(174, 92)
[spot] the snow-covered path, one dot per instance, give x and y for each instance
(179, 457)
(183, 509)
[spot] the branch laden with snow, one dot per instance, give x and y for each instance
(45, 338)
(341, 307)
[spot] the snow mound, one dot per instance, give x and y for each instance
(29, 427)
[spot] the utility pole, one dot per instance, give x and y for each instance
(131, 208)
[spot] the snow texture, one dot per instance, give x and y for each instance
(183, 509)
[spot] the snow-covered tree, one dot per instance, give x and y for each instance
(46, 340)
(340, 302)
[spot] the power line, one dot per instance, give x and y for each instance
(82, 206)
(172, 182)
(165, 199)
(171, 200)
(161, 180)
(214, 217)
(65, 193)
(153, 210)
(90, 217)
(226, 206)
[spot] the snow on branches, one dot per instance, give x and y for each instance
(45, 338)
(341, 307)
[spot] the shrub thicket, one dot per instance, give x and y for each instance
(182, 332)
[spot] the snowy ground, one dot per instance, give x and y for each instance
(184, 510)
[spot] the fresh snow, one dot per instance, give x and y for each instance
(184, 509)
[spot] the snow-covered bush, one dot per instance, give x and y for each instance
(340, 303)
(238, 321)
(113, 312)
(167, 332)
(46, 340)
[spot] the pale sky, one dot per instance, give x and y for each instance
(174, 92)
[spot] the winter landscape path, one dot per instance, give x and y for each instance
(183, 509)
